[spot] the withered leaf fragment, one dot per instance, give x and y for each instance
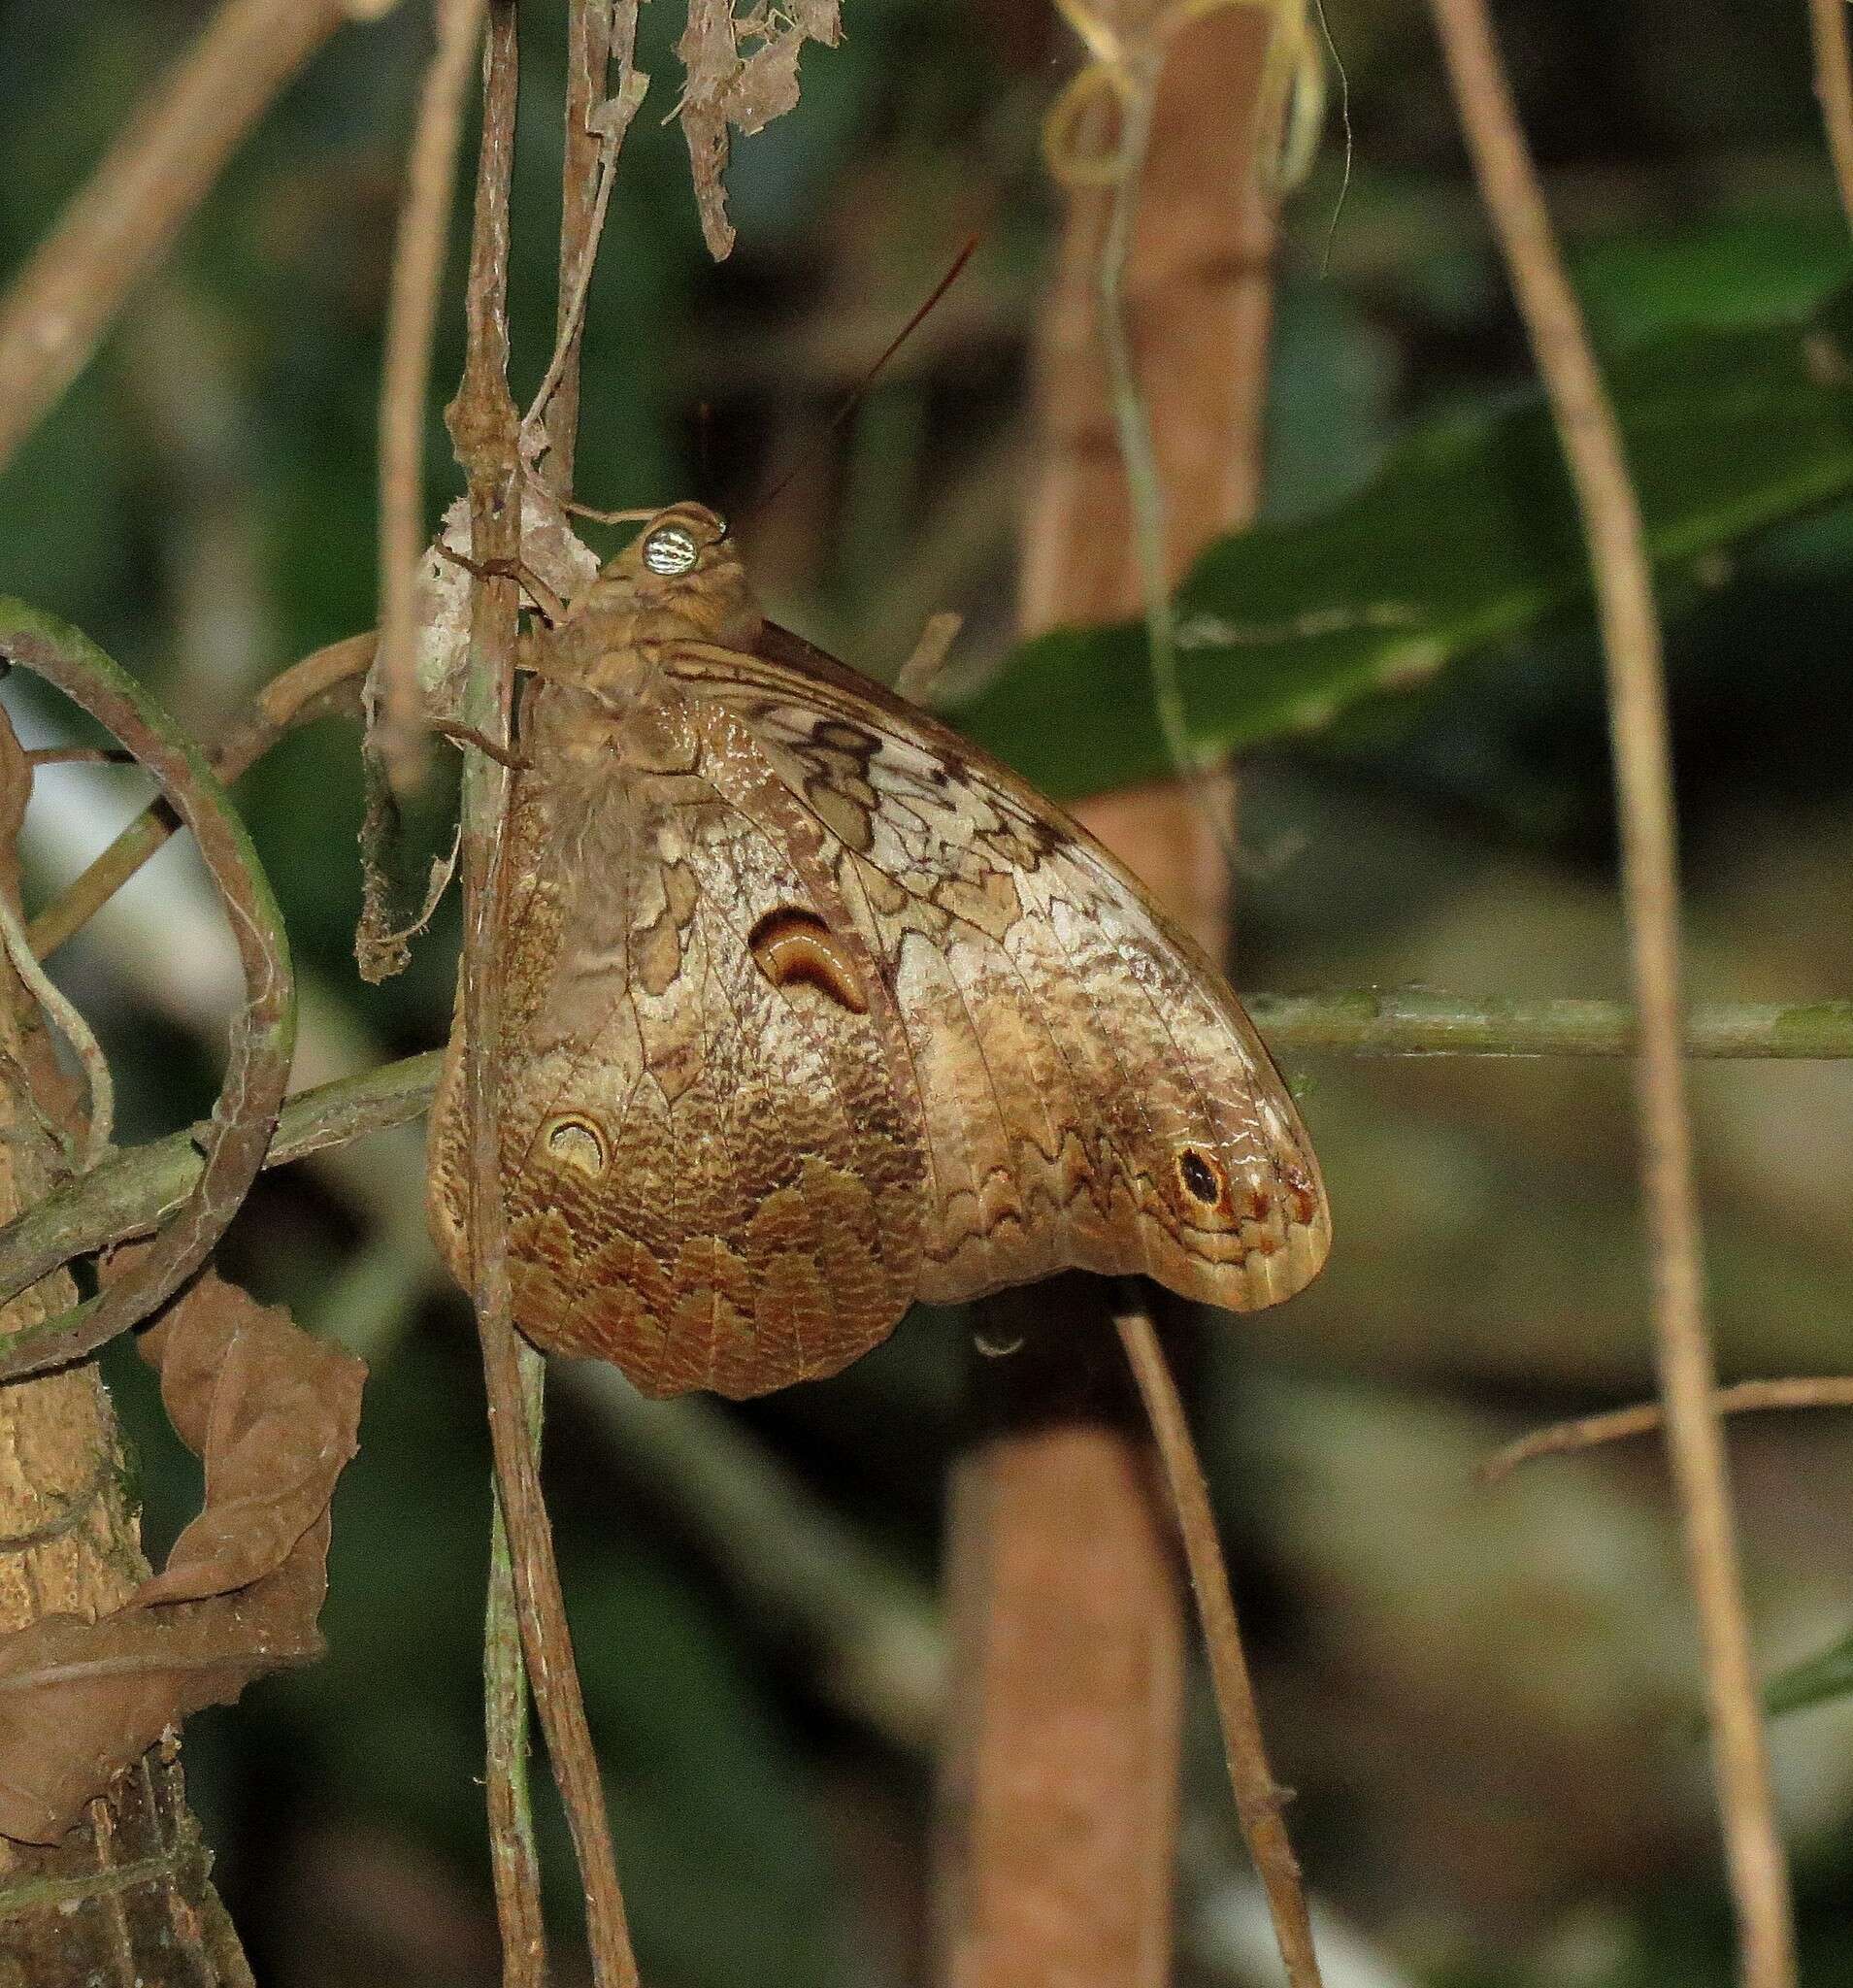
(726, 90)
(274, 1415)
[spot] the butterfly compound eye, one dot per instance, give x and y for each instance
(670, 548)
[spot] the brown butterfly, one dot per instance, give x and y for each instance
(811, 1009)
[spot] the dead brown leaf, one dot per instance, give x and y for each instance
(274, 1415)
(725, 91)
(552, 553)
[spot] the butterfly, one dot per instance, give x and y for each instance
(811, 1009)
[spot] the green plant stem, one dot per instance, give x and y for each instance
(137, 1190)
(263, 1030)
(1368, 1021)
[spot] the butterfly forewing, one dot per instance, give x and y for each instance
(1094, 1094)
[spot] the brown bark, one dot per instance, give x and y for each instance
(1059, 1816)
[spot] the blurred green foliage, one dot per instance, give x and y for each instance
(1467, 537)
(1484, 1701)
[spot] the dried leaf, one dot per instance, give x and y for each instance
(273, 1414)
(709, 57)
(725, 91)
(766, 87)
(554, 554)
(550, 549)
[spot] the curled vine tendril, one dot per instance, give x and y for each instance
(1123, 66)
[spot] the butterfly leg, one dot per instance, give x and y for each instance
(545, 602)
(461, 733)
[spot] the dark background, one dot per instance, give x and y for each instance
(1485, 1699)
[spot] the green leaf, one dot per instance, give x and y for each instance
(1815, 1680)
(1720, 269)
(1468, 537)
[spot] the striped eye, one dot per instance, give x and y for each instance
(670, 548)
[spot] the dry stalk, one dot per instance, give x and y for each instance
(515, 1858)
(1258, 1800)
(404, 380)
(1834, 90)
(483, 426)
(121, 224)
(1638, 718)
(1586, 1432)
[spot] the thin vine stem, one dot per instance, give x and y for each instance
(135, 1191)
(317, 685)
(1586, 1432)
(1586, 420)
(1259, 1801)
(1136, 75)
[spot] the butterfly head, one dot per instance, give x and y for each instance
(681, 574)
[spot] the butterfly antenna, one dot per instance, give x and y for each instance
(859, 392)
(705, 445)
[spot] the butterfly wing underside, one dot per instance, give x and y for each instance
(1093, 1094)
(810, 1008)
(711, 1178)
